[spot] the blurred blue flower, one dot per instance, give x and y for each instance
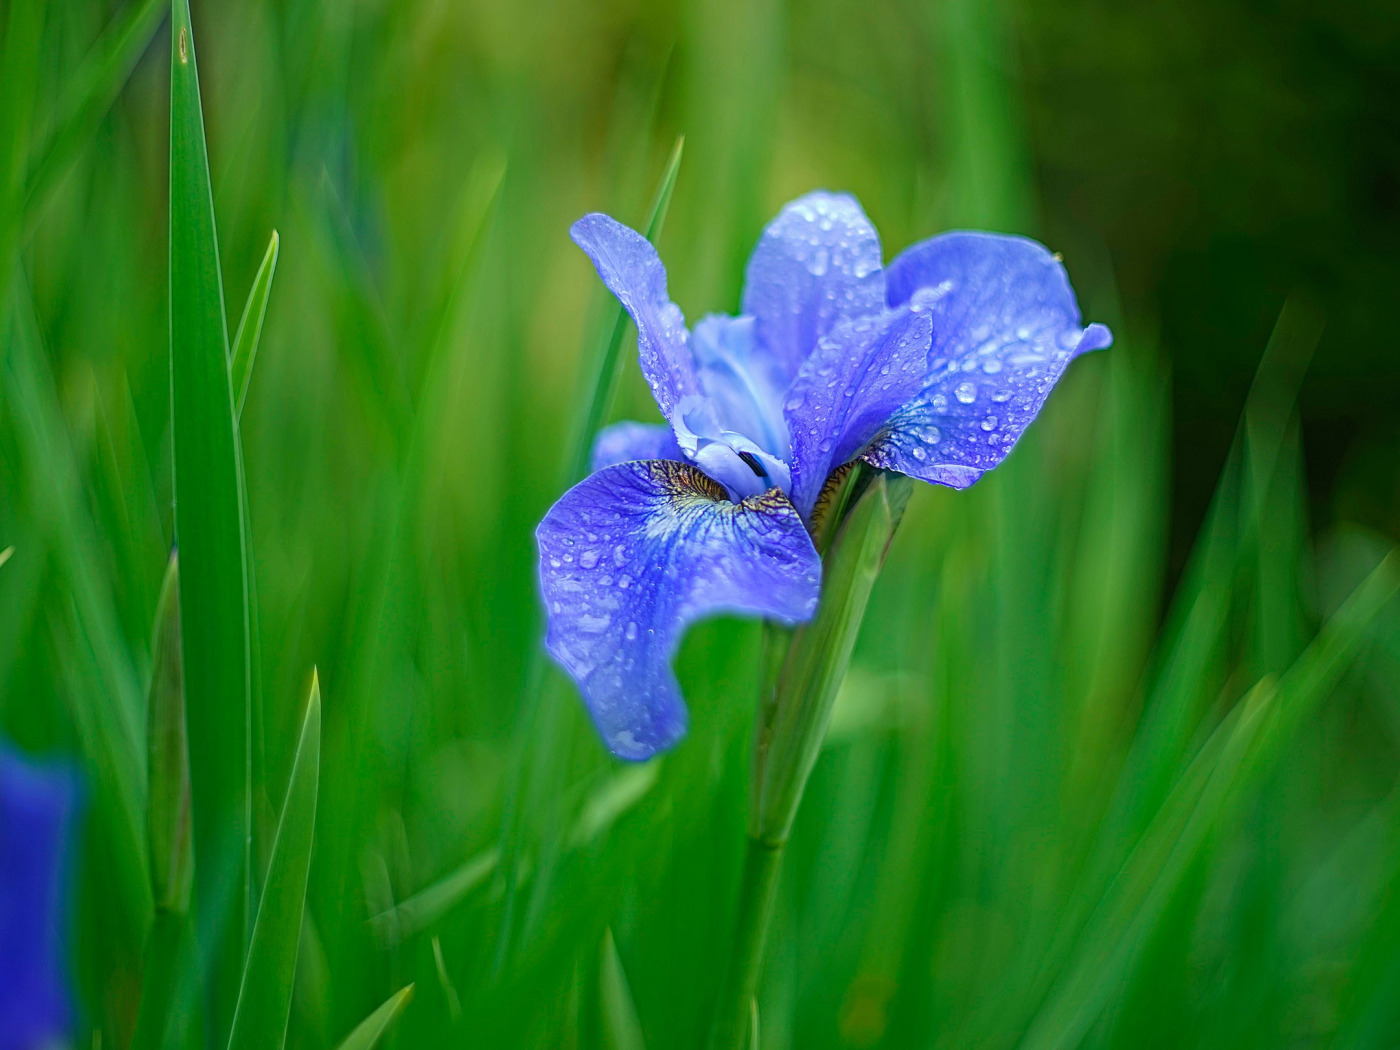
(37, 810)
(931, 367)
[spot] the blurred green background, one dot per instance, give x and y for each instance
(1046, 815)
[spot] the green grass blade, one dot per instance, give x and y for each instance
(427, 906)
(105, 695)
(250, 325)
(89, 95)
(19, 76)
(1234, 761)
(608, 357)
(369, 1031)
(162, 1020)
(619, 793)
(265, 997)
(6, 554)
(622, 1030)
(209, 525)
(168, 763)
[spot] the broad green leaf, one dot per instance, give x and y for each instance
(265, 996)
(209, 525)
(167, 748)
(368, 1032)
(250, 325)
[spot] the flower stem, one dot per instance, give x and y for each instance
(800, 685)
(758, 890)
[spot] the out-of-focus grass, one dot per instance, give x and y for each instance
(1067, 801)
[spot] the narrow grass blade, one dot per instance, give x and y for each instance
(22, 30)
(265, 997)
(89, 95)
(168, 762)
(369, 1031)
(449, 990)
(1185, 667)
(1235, 761)
(6, 554)
(427, 906)
(623, 790)
(162, 1021)
(250, 325)
(105, 696)
(209, 525)
(608, 357)
(622, 1030)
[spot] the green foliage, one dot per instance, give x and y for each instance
(265, 994)
(369, 1031)
(209, 529)
(249, 333)
(1090, 782)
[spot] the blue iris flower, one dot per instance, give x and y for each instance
(932, 367)
(37, 810)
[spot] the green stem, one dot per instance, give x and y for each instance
(802, 676)
(758, 890)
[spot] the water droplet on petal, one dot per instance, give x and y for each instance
(966, 393)
(990, 423)
(588, 559)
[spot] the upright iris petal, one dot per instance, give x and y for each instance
(817, 264)
(1005, 326)
(635, 553)
(932, 368)
(37, 808)
(745, 387)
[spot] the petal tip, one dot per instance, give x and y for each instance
(1095, 337)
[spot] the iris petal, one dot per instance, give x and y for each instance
(729, 457)
(817, 264)
(37, 809)
(633, 272)
(636, 552)
(627, 441)
(745, 387)
(856, 378)
(1005, 326)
